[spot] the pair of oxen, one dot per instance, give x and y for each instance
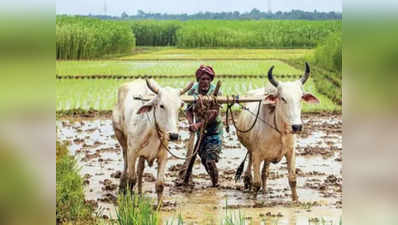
(143, 129)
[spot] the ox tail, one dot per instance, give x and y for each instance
(239, 171)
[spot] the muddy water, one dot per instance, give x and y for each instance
(318, 162)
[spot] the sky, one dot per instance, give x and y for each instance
(116, 7)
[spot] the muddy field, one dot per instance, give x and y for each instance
(318, 162)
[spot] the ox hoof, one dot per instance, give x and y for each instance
(159, 187)
(247, 180)
(123, 184)
(256, 186)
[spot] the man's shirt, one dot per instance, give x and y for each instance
(214, 127)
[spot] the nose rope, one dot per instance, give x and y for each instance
(159, 134)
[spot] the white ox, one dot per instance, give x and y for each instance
(135, 129)
(273, 135)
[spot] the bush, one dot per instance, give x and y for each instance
(329, 53)
(70, 203)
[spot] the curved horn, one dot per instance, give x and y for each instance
(153, 89)
(271, 77)
(304, 78)
(187, 88)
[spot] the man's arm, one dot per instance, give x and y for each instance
(189, 114)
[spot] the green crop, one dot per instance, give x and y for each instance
(101, 94)
(87, 38)
(174, 68)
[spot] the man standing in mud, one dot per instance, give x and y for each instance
(211, 142)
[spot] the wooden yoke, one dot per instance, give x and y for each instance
(220, 99)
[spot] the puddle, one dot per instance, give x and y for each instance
(318, 163)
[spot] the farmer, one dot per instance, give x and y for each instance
(211, 142)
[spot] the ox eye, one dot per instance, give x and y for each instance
(162, 106)
(284, 100)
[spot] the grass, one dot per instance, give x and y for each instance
(135, 210)
(169, 53)
(329, 54)
(326, 82)
(101, 94)
(233, 218)
(87, 38)
(70, 204)
(175, 68)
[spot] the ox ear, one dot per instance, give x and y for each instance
(270, 99)
(145, 108)
(309, 98)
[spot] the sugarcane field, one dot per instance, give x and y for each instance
(198, 121)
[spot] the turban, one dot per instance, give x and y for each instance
(205, 70)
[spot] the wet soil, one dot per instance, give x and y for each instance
(318, 163)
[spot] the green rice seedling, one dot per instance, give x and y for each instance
(101, 94)
(172, 68)
(172, 53)
(135, 210)
(231, 218)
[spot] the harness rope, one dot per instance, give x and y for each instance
(160, 136)
(235, 99)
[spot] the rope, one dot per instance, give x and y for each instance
(262, 120)
(158, 131)
(235, 99)
(229, 108)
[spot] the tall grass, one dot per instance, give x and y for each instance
(82, 37)
(155, 33)
(70, 203)
(254, 33)
(329, 53)
(88, 38)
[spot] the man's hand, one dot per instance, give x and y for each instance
(195, 126)
(213, 113)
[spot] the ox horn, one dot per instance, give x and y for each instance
(153, 89)
(271, 77)
(187, 88)
(304, 78)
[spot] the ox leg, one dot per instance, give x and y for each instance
(140, 171)
(264, 175)
(162, 160)
(291, 165)
(247, 179)
(131, 158)
(123, 143)
(256, 175)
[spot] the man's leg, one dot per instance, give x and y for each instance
(213, 172)
(213, 154)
